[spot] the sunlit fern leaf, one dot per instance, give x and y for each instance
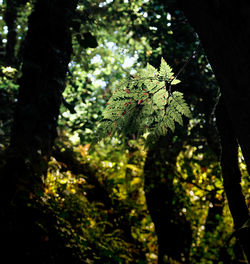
(165, 71)
(175, 81)
(177, 118)
(152, 84)
(180, 104)
(144, 103)
(152, 71)
(169, 122)
(160, 98)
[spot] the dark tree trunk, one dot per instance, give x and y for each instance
(164, 203)
(11, 12)
(224, 29)
(232, 176)
(10, 17)
(214, 213)
(46, 56)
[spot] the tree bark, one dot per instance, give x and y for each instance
(46, 56)
(232, 176)
(224, 30)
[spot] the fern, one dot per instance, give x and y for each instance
(145, 103)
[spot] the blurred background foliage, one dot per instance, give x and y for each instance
(121, 203)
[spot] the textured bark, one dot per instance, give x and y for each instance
(46, 56)
(224, 30)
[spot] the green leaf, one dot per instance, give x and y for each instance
(142, 104)
(175, 81)
(165, 71)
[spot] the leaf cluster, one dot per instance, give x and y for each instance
(145, 103)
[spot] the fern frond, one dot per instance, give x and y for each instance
(143, 103)
(165, 71)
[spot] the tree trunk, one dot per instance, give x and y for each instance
(164, 203)
(232, 176)
(46, 56)
(224, 29)
(10, 17)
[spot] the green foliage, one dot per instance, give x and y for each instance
(99, 228)
(145, 103)
(117, 227)
(8, 94)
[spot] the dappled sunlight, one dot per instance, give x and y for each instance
(117, 144)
